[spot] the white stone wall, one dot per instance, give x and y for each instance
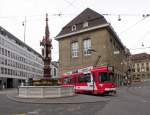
(45, 91)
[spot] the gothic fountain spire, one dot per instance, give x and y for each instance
(46, 51)
(47, 28)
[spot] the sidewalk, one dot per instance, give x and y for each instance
(6, 91)
(78, 98)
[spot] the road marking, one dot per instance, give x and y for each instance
(35, 112)
(144, 101)
(20, 114)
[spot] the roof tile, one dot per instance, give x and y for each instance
(88, 15)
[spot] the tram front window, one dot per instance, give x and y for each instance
(105, 77)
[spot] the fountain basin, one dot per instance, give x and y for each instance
(45, 91)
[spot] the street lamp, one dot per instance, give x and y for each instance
(91, 50)
(98, 57)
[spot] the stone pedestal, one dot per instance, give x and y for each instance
(45, 91)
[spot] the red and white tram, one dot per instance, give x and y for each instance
(94, 80)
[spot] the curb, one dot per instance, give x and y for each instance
(55, 101)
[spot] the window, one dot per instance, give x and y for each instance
(87, 46)
(84, 78)
(68, 80)
(75, 49)
(54, 71)
(104, 77)
(2, 41)
(85, 24)
(147, 68)
(8, 53)
(5, 61)
(73, 28)
(2, 51)
(2, 70)
(5, 52)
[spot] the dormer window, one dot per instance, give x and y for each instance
(73, 28)
(85, 24)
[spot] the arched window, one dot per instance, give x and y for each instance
(73, 28)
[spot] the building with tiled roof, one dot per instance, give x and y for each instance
(90, 30)
(141, 66)
(87, 16)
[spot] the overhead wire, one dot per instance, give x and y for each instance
(72, 4)
(130, 27)
(140, 48)
(59, 14)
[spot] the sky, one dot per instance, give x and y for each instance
(133, 29)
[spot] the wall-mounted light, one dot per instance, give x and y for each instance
(142, 44)
(119, 18)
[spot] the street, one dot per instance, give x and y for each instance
(134, 100)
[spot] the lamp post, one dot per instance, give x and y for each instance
(24, 24)
(98, 57)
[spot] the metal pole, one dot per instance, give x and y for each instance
(24, 24)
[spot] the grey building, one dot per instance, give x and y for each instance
(18, 62)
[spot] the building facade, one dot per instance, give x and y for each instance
(89, 40)
(18, 62)
(140, 67)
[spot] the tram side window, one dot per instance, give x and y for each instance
(111, 75)
(84, 78)
(104, 77)
(67, 80)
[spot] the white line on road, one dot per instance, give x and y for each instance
(145, 101)
(35, 112)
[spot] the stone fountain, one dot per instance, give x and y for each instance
(45, 87)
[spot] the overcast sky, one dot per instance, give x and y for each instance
(133, 29)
